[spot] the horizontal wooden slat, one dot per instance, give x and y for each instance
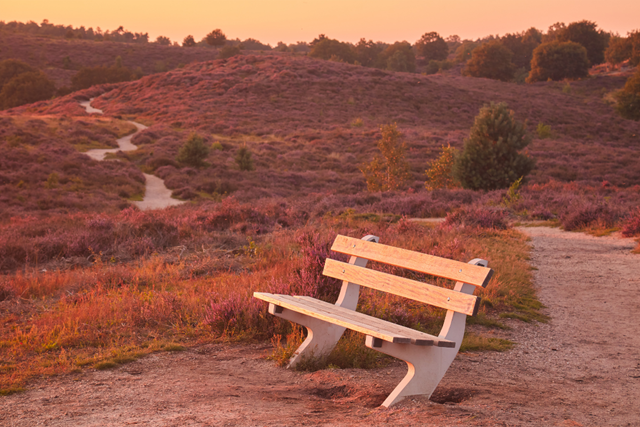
(423, 292)
(353, 320)
(417, 337)
(416, 261)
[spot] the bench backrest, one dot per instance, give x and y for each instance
(415, 261)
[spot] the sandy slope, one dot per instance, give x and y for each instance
(582, 368)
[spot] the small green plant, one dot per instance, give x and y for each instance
(440, 172)
(193, 152)
(566, 89)
(513, 194)
(357, 122)
(52, 180)
(216, 146)
(244, 160)
(544, 131)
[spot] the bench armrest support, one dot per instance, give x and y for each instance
(454, 323)
(350, 292)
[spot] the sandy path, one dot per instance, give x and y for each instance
(156, 195)
(580, 369)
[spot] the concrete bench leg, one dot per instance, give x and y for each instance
(427, 366)
(321, 339)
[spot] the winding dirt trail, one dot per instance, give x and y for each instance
(156, 195)
(580, 369)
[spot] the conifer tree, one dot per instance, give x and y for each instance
(194, 152)
(243, 159)
(490, 159)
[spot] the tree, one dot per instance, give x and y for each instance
(490, 158)
(216, 38)
(522, 46)
(622, 48)
(440, 172)
(389, 169)
(464, 51)
(326, 49)
(398, 57)
(432, 47)
(26, 88)
(87, 77)
(629, 98)
(10, 68)
(367, 52)
(586, 34)
(243, 159)
(188, 41)
(194, 152)
(491, 60)
(619, 50)
(557, 61)
(163, 41)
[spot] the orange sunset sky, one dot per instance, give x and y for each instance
(271, 21)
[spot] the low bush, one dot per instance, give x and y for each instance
(631, 227)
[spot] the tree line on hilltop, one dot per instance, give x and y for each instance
(563, 52)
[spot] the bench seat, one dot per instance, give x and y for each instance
(353, 320)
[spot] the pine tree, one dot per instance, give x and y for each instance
(490, 159)
(389, 170)
(243, 159)
(194, 152)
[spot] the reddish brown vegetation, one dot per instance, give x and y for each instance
(42, 172)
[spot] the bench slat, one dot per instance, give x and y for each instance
(418, 291)
(353, 320)
(417, 337)
(416, 261)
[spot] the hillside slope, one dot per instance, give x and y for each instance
(310, 123)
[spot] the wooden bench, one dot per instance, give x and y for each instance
(427, 356)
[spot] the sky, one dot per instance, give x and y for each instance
(271, 21)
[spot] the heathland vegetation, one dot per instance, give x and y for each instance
(277, 152)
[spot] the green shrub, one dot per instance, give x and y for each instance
(557, 61)
(432, 47)
(228, 51)
(90, 76)
(628, 99)
(491, 60)
(389, 170)
(243, 159)
(490, 159)
(193, 152)
(10, 68)
(544, 131)
(26, 88)
(437, 66)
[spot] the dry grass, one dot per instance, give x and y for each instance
(108, 314)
